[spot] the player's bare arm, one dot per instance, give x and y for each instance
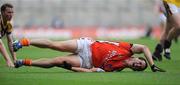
(79, 69)
(137, 48)
(10, 45)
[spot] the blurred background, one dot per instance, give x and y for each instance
(122, 19)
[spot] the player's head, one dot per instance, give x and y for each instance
(138, 64)
(7, 11)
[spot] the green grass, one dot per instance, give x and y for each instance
(59, 76)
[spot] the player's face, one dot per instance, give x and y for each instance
(8, 13)
(138, 64)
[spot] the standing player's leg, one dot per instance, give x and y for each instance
(176, 38)
(175, 20)
(170, 10)
(157, 54)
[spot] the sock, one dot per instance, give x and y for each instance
(25, 42)
(159, 48)
(167, 44)
(27, 62)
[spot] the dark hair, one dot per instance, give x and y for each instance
(4, 6)
(141, 69)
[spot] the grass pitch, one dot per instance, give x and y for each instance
(59, 76)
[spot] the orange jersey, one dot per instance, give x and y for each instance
(110, 56)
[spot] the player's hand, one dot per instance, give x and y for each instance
(9, 64)
(155, 69)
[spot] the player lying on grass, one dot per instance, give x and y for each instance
(171, 20)
(89, 55)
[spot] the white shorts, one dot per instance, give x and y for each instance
(162, 18)
(84, 52)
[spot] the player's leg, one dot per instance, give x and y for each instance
(64, 46)
(157, 54)
(176, 38)
(170, 11)
(64, 62)
(177, 26)
(175, 20)
(164, 43)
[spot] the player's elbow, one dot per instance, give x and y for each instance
(144, 48)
